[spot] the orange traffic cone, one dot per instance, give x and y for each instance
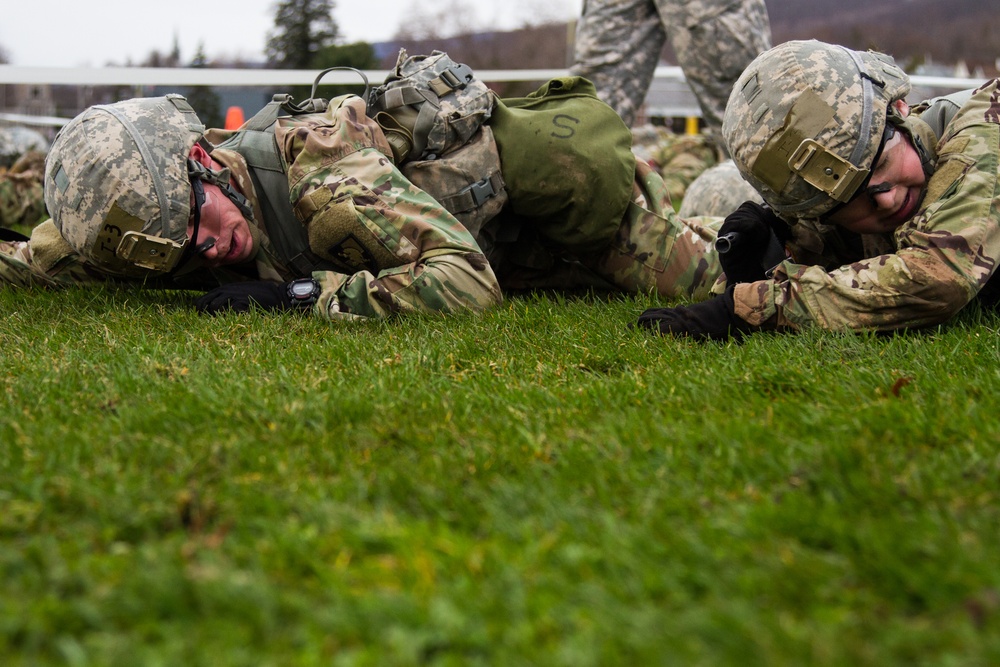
(234, 118)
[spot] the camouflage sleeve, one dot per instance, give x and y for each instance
(15, 265)
(397, 249)
(46, 260)
(945, 255)
(656, 250)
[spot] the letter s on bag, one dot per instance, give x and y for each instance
(563, 128)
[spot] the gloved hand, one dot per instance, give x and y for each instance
(714, 319)
(238, 297)
(751, 241)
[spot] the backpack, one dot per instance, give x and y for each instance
(433, 112)
(429, 106)
(467, 181)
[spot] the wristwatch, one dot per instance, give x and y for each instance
(303, 293)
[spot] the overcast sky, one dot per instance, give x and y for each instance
(61, 33)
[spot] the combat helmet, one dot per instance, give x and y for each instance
(805, 123)
(117, 183)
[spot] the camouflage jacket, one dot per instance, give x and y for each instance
(387, 246)
(930, 268)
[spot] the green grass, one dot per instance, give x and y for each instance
(535, 486)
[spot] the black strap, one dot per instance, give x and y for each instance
(7, 234)
(287, 233)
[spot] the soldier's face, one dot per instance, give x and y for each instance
(220, 220)
(894, 193)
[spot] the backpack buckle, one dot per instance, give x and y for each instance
(481, 191)
(453, 78)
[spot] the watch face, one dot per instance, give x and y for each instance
(304, 292)
(302, 289)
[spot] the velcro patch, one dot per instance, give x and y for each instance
(350, 254)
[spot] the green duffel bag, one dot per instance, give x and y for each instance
(567, 162)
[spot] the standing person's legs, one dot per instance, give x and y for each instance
(618, 44)
(714, 41)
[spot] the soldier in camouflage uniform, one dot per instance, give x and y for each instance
(15, 141)
(717, 191)
(22, 157)
(618, 45)
(679, 158)
(21, 202)
(891, 214)
(138, 190)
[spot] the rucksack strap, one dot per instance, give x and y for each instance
(457, 76)
(264, 118)
(395, 99)
(287, 234)
(474, 195)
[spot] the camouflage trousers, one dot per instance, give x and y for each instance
(618, 45)
(654, 250)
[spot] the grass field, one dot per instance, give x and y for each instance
(535, 486)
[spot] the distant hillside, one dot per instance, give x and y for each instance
(946, 31)
(541, 47)
(911, 30)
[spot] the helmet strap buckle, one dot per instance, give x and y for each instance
(826, 171)
(149, 252)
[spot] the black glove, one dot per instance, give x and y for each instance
(238, 297)
(713, 319)
(751, 242)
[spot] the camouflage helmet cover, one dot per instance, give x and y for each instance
(116, 183)
(804, 123)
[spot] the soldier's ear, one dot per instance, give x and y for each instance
(200, 155)
(902, 108)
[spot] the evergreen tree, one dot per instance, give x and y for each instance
(301, 29)
(175, 54)
(204, 99)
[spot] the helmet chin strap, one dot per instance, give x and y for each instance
(199, 174)
(920, 134)
(199, 201)
(220, 178)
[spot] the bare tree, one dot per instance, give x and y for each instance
(459, 17)
(455, 17)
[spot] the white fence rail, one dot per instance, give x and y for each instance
(188, 76)
(193, 76)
